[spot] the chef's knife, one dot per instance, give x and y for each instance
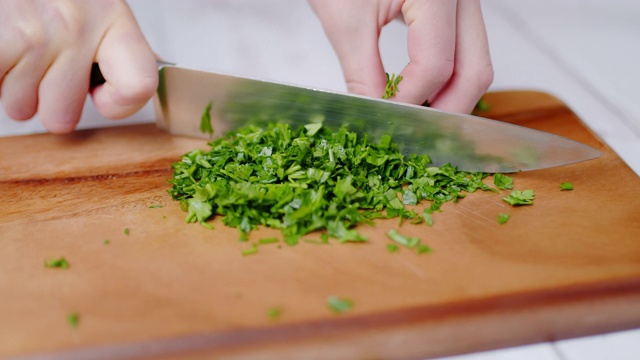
(471, 143)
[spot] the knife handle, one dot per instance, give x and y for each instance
(96, 77)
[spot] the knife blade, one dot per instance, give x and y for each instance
(469, 142)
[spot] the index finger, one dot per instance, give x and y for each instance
(129, 68)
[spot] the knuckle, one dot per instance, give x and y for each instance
(359, 88)
(439, 71)
(30, 34)
(481, 78)
(138, 90)
(69, 17)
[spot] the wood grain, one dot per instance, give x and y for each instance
(567, 266)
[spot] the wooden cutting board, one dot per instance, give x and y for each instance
(569, 265)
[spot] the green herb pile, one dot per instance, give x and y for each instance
(311, 179)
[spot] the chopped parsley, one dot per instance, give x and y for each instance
(391, 248)
(73, 320)
(428, 218)
(423, 249)
(503, 218)
(59, 263)
(106, 242)
(311, 179)
(392, 86)
(482, 106)
(566, 186)
(520, 197)
(155, 207)
(270, 240)
(250, 251)
(127, 231)
(409, 242)
(339, 305)
(205, 120)
(274, 313)
(502, 181)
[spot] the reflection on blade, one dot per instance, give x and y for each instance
(468, 142)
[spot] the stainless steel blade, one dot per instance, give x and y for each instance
(468, 142)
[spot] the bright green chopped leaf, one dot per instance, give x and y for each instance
(392, 86)
(126, 231)
(205, 120)
(503, 218)
(60, 263)
(269, 240)
(566, 186)
(274, 313)
(73, 320)
(482, 105)
(502, 181)
(339, 305)
(407, 241)
(312, 129)
(106, 242)
(250, 251)
(155, 207)
(392, 248)
(207, 226)
(520, 197)
(311, 179)
(423, 249)
(199, 210)
(428, 218)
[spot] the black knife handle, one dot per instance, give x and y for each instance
(96, 77)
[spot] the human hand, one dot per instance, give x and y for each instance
(47, 48)
(449, 62)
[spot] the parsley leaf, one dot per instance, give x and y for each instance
(391, 248)
(205, 120)
(250, 251)
(423, 249)
(428, 218)
(410, 242)
(60, 263)
(392, 86)
(73, 320)
(520, 197)
(566, 186)
(503, 218)
(274, 313)
(339, 305)
(482, 105)
(502, 181)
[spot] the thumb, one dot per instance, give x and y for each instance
(129, 69)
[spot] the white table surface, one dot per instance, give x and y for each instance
(586, 53)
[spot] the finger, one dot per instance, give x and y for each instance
(473, 71)
(431, 47)
(356, 46)
(362, 66)
(15, 37)
(19, 88)
(129, 68)
(63, 91)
